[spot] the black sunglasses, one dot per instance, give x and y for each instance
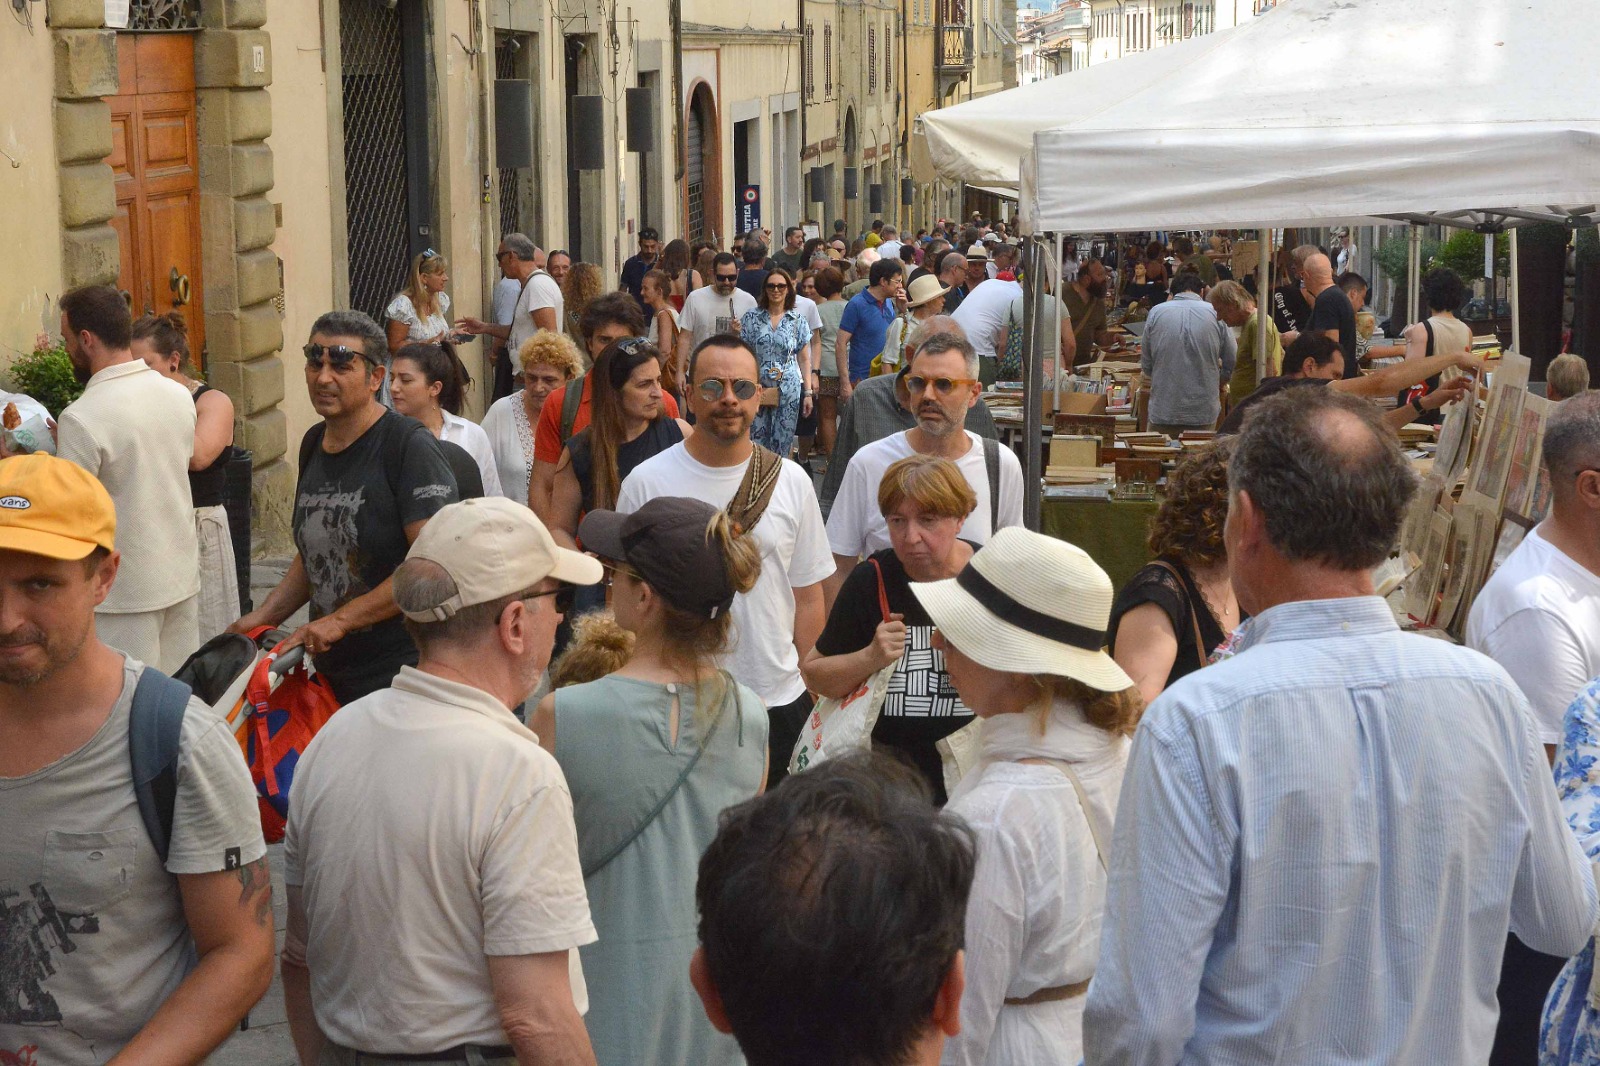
(564, 596)
(779, 287)
(726, 277)
(339, 356)
(713, 389)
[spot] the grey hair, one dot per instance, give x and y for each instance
(1568, 375)
(945, 340)
(421, 585)
(520, 246)
(1327, 476)
(1572, 440)
(358, 324)
(1230, 294)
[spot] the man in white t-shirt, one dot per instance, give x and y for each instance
(982, 314)
(808, 311)
(715, 308)
(439, 919)
(943, 386)
(134, 430)
(539, 305)
(776, 623)
(1539, 615)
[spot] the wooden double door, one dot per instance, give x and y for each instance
(156, 160)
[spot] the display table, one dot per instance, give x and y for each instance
(1113, 532)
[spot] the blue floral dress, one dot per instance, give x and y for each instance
(1570, 1032)
(777, 351)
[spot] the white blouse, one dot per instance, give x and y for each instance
(511, 438)
(1033, 919)
(401, 309)
(471, 437)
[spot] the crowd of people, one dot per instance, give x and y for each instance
(1226, 813)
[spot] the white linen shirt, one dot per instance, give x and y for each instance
(1033, 918)
(511, 439)
(428, 830)
(134, 430)
(473, 438)
(401, 309)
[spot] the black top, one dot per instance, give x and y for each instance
(1176, 596)
(1149, 293)
(1290, 311)
(1416, 392)
(469, 479)
(209, 486)
(921, 707)
(1269, 387)
(657, 437)
(1334, 311)
(953, 298)
(633, 272)
(350, 513)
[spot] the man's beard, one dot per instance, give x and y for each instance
(935, 422)
(728, 428)
(80, 369)
(1096, 289)
(58, 653)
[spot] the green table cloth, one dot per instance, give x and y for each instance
(1113, 532)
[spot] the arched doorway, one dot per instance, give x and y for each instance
(702, 187)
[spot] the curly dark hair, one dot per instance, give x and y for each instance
(1188, 525)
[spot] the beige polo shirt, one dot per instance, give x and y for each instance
(428, 830)
(134, 430)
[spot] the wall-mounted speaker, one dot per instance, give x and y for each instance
(908, 192)
(819, 185)
(875, 198)
(852, 180)
(641, 104)
(513, 124)
(586, 147)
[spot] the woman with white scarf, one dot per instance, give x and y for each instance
(1022, 628)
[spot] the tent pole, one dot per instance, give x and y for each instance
(1264, 281)
(1515, 295)
(1413, 274)
(1058, 305)
(1033, 388)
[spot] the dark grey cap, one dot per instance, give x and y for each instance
(665, 542)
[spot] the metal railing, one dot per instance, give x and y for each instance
(955, 47)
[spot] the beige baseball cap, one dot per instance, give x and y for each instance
(493, 547)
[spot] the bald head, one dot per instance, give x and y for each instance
(1317, 271)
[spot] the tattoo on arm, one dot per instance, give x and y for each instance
(255, 883)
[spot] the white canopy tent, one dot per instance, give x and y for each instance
(1319, 111)
(1470, 113)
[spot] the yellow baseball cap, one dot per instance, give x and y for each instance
(53, 507)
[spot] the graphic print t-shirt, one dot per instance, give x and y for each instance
(921, 707)
(92, 934)
(349, 525)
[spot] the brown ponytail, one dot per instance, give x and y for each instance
(168, 334)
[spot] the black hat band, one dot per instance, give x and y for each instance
(1000, 604)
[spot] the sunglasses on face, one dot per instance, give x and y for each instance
(944, 386)
(729, 278)
(339, 356)
(713, 389)
(616, 570)
(564, 595)
(779, 287)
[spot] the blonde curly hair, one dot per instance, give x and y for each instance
(549, 348)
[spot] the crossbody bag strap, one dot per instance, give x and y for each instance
(1189, 593)
(728, 690)
(1083, 802)
(755, 489)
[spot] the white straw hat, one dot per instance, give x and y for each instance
(925, 289)
(1029, 604)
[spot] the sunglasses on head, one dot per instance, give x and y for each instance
(339, 356)
(944, 386)
(631, 345)
(713, 389)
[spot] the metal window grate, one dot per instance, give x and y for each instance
(160, 15)
(374, 153)
(505, 69)
(695, 185)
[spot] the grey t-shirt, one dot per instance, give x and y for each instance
(92, 934)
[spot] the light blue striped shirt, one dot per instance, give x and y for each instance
(1320, 845)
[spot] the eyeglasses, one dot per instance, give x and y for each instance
(729, 278)
(615, 570)
(713, 389)
(339, 355)
(944, 386)
(564, 595)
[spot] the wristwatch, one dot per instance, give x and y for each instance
(1416, 405)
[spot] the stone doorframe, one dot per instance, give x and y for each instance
(244, 327)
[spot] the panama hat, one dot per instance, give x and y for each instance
(1029, 604)
(925, 289)
(978, 253)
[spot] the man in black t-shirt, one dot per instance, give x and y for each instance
(369, 480)
(1332, 314)
(1290, 308)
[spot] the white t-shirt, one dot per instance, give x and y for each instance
(540, 292)
(808, 311)
(983, 311)
(429, 830)
(705, 313)
(857, 528)
(475, 440)
(506, 293)
(1538, 616)
(134, 430)
(114, 943)
(794, 554)
(889, 250)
